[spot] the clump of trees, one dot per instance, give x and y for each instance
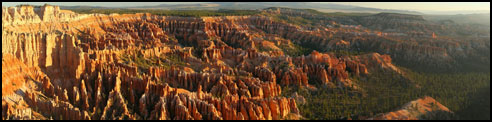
(466, 94)
(295, 50)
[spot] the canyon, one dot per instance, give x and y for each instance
(59, 64)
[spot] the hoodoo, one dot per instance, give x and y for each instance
(275, 64)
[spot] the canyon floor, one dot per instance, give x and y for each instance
(268, 64)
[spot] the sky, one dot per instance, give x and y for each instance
(413, 6)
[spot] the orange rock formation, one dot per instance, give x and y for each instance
(141, 66)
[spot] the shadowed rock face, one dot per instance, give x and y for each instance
(142, 66)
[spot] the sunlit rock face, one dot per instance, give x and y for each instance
(62, 65)
(422, 108)
(67, 65)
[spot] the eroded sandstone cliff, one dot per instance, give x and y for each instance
(143, 66)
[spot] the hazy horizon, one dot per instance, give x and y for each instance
(424, 7)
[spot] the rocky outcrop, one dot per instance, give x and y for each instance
(265, 74)
(423, 108)
(375, 61)
(56, 109)
(116, 108)
(14, 74)
(25, 14)
(17, 76)
(294, 76)
(216, 84)
(9, 112)
(19, 15)
(46, 50)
